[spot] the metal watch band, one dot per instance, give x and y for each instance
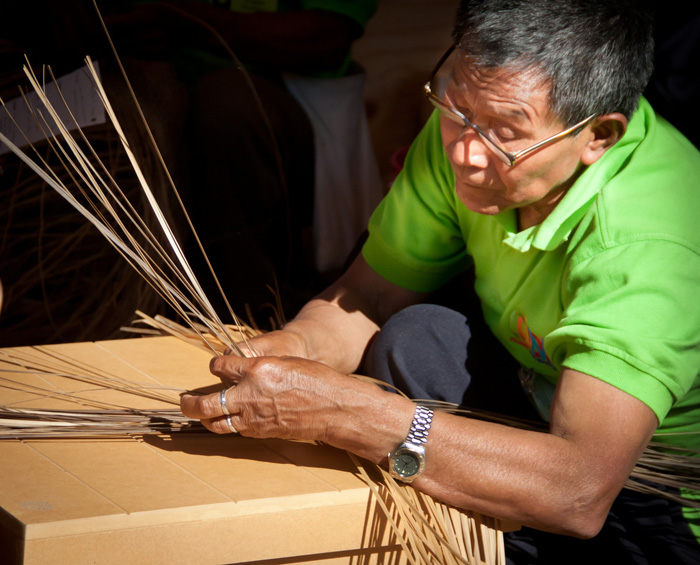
(422, 419)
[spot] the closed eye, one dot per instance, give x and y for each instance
(505, 133)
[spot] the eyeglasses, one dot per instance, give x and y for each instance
(442, 76)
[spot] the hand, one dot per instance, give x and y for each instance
(293, 398)
(288, 398)
(279, 343)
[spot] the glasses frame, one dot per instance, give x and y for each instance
(503, 154)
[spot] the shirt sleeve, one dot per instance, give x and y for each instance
(631, 318)
(415, 240)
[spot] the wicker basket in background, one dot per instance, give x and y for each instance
(62, 281)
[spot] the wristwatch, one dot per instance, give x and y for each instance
(407, 461)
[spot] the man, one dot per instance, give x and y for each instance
(576, 207)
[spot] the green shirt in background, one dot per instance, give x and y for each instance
(193, 63)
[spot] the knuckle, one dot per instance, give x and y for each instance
(209, 404)
(217, 426)
(262, 363)
(267, 367)
(215, 364)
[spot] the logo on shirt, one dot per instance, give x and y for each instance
(531, 342)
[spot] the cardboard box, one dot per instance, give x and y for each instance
(179, 498)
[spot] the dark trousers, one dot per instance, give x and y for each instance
(430, 351)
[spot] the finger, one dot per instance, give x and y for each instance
(206, 407)
(224, 425)
(230, 368)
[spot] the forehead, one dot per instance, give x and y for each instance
(522, 93)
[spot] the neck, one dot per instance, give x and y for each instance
(529, 216)
(536, 213)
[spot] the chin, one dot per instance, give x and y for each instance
(484, 206)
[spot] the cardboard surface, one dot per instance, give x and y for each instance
(187, 498)
(180, 498)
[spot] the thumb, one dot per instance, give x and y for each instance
(230, 368)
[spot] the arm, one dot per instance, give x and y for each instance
(563, 481)
(336, 326)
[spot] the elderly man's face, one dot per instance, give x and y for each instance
(515, 108)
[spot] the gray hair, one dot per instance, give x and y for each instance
(597, 55)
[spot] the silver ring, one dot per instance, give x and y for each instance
(222, 400)
(230, 425)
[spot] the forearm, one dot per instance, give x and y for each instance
(336, 326)
(537, 479)
(562, 481)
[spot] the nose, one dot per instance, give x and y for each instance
(469, 150)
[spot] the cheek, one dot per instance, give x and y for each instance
(449, 132)
(540, 175)
(560, 171)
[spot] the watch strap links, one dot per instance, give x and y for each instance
(420, 427)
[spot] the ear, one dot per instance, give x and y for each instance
(605, 131)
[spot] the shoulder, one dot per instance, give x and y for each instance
(415, 234)
(654, 193)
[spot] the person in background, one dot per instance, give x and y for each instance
(248, 143)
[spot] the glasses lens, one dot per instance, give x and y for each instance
(447, 111)
(449, 95)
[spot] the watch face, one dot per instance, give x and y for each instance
(406, 464)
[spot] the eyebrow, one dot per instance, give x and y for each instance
(518, 117)
(518, 114)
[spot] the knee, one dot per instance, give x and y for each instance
(424, 320)
(413, 329)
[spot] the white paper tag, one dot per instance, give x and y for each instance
(80, 95)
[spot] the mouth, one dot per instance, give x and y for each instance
(471, 185)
